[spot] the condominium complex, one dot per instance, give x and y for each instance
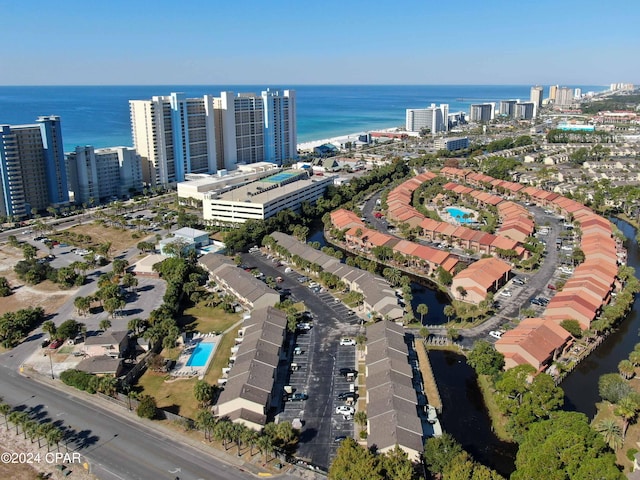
(264, 198)
(553, 91)
(564, 96)
(103, 173)
(434, 119)
(508, 107)
(32, 168)
(482, 112)
(537, 93)
(525, 110)
(176, 136)
(451, 143)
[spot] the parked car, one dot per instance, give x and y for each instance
(347, 371)
(495, 334)
(298, 397)
(340, 438)
(345, 410)
(304, 326)
(347, 341)
(518, 281)
(346, 396)
(56, 343)
(551, 286)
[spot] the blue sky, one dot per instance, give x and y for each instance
(319, 42)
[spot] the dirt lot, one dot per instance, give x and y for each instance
(120, 239)
(12, 443)
(46, 295)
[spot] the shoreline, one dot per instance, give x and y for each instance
(311, 144)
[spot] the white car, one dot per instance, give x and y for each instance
(345, 410)
(505, 293)
(347, 341)
(495, 334)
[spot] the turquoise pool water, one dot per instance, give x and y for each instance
(459, 215)
(279, 177)
(200, 355)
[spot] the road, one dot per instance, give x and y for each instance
(116, 443)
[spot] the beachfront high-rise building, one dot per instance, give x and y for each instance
(537, 92)
(174, 136)
(564, 96)
(553, 90)
(577, 93)
(434, 119)
(525, 110)
(508, 107)
(32, 168)
(280, 128)
(482, 112)
(254, 128)
(100, 174)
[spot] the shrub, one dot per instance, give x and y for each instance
(78, 379)
(147, 407)
(631, 454)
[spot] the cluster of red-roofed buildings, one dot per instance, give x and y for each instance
(535, 341)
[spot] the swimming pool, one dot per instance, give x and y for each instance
(279, 177)
(200, 354)
(459, 215)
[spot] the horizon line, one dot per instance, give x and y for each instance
(306, 84)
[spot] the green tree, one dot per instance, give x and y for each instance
(439, 452)
(485, 359)
(354, 462)
(396, 464)
(5, 288)
(206, 422)
(29, 251)
(203, 392)
(612, 387)
(627, 409)
(104, 325)
(572, 326)
(68, 329)
(611, 432)
(626, 369)
(82, 305)
(449, 311)
(49, 327)
(147, 407)
(561, 447)
(422, 309)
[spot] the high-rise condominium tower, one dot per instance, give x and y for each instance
(174, 136)
(435, 119)
(32, 168)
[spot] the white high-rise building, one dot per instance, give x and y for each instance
(435, 119)
(103, 173)
(577, 93)
(256, 128)
(537, 93)
(508, 107)
(482, 112)
(174, 136)
(525, 110)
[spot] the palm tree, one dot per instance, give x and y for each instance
(53, 436)
(31, 429)
(43, 428)
(206, 422)
(449, 311)
(627, 409)
(223, 432)
(136, 324)
(265, 445)
(5, 409)
(422, 310)
(109, 385)
(105, 324)
(237, 431)
(611, 432)
(626, 369)
(49, 328)
(252, 439)
(634, 358)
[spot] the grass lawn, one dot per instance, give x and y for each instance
(221, 356)
(120, 239)
(498, 420)
(632, 437)
(206, 319)
(175, 396)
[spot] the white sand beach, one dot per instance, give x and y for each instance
(309, 146)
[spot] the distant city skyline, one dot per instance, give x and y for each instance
(146, 42)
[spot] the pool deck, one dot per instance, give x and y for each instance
(447, 217)
(182, 370)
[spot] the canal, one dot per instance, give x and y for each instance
(464, 414)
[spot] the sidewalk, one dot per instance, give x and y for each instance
(122, 411)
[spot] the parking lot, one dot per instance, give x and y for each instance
(316, 367)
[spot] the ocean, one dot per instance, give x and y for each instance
(99, 115)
